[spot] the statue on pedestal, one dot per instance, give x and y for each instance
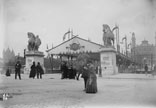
(33, 55)
(34, 42)
(108, 36)
(108, 52)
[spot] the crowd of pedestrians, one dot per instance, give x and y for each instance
(86, 70)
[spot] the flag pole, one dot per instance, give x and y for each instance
(69, 34)
(126, 44)
(72, 33)
(116, 38)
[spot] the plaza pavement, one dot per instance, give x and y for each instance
(114, 91)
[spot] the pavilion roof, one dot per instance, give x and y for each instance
(75, 45)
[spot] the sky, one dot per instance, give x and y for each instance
(50, 19)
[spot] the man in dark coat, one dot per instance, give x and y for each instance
(84, 74)
(18, 70)
(64, 69)
(39, 70)
(33, 71)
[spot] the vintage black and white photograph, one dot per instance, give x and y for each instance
(77, 53)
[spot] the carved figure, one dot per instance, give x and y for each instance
(37, 42)
(108, 36)
(33, 42)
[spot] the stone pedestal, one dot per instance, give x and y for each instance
(108, 61)
(33, 56)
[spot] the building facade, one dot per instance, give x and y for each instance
(144, 53)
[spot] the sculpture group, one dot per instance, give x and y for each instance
(34, 42)
(108, 36)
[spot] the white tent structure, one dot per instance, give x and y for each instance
(70, 49)
(74, 46)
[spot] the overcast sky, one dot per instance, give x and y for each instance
(50, 19)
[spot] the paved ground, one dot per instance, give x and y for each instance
(121, 90)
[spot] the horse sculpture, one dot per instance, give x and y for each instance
(33, 42)
(108, 36)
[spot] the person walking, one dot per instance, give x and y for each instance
(83, 70)
(39, 70)
(32, 71)
(91, 86)
(85, 76)
(146, 69)
(18, 70)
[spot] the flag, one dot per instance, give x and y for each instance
(72, 33)
(64, 36)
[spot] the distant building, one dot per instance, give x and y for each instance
(144, 53)
(8, 55)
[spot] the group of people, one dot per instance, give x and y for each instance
(36, 70)
(86, 70)
(67, 71)
(88, 73)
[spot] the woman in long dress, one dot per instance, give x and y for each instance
(33, 71)
(91, 86)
